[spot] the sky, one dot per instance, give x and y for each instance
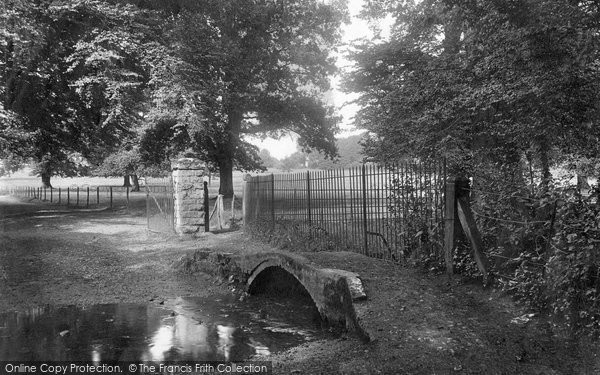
(356, 29)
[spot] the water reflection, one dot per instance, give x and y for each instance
(183, 329)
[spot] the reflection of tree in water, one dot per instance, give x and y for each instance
(200, 330)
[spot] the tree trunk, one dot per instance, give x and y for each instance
(46, 180)
(545, 164)
(225, 159)
(136, 182)
(126, 181)
(226, 177)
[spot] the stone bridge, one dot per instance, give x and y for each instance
(332, 291)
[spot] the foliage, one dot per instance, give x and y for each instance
(294, 161)
(481, 80)
(505, 90)
(250, 68)
(71, 79)
(267, 159)
(121, 163)
(349, 155)
(289, 235)
(543, 244)
(573, 268)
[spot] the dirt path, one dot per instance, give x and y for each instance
(55, 255)
(419, 324)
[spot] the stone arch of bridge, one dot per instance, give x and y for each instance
(268, 265)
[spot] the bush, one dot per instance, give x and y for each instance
(573, 268)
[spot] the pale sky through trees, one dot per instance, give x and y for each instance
(357, 29)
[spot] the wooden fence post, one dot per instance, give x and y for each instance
(449, 216)
(469, 226)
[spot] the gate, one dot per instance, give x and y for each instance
(160, 208)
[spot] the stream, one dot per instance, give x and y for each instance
(219, 328)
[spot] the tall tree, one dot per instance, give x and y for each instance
(254, 67)
(73, 78)
(486, 80)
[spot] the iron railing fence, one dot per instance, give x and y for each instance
(160, 208)
(74, 196)
(391, 211)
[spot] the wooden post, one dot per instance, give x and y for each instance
(467, 221)
(449, 217)
(97, 194)
(219, 206)
(87, 201)
(232, 209)
(77, 196)
(68, 196)
(111, 197)
(59, 196)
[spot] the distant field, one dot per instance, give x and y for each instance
(23, 178)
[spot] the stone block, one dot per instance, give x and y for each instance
(187, 163)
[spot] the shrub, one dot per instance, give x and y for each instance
(573, 267)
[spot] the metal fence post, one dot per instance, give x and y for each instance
(273, 200)
(206, 213)
(364, 207)
(308, 198)
(449, 217)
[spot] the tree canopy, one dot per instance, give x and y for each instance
(481, 80)
(258, 67)
(71, 80)
(85, 79)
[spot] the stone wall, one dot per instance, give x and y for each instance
(189, 195)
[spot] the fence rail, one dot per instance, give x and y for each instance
(80, 196)
(387, 212)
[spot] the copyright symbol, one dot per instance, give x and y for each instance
(132, 368)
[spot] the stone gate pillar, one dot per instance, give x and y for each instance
(188, 192)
